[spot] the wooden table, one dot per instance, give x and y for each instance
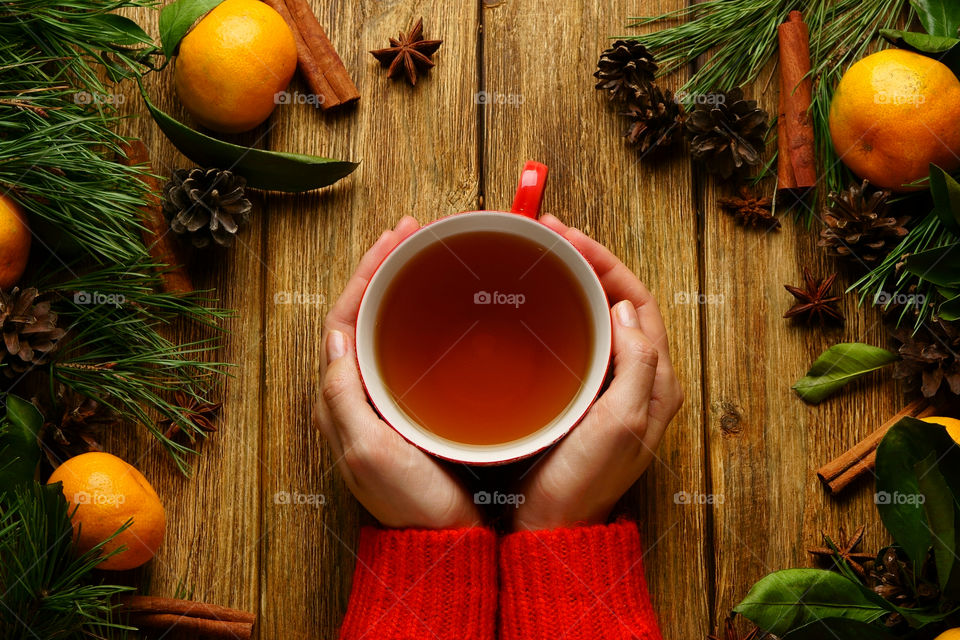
(744, 447)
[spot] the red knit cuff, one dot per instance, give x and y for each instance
(581, 583)
(413, 583)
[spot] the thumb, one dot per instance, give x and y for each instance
(634, 367)
(343, 397)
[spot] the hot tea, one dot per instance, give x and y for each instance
(484, 337)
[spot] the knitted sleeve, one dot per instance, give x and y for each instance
(583, 583)
(412, 584)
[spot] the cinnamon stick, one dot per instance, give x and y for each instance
(156, 605)
(795, 125)
(319, 62)
(861, 459)
(202, 627)
(161, 244)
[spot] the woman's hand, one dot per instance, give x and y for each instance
(397, 483)
(583, 476)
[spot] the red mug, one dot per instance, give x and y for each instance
(520, 221)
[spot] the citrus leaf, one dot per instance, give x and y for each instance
(937, 265)
(946, 198)
(789, 600)
(176, 19)
(919, 42)
(940, 507)
(19, 444)
(273, 170)
(901, 498)
(938, 17)
(838, 365)
(949, 309)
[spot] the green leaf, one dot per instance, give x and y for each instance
(949, 309)
(19, 446)
(946, 198)
(273, 170)
(838, 365)
(938, 17)
(176, 19)
(939, 265)
(919, 42)
(940, 508)
(788, 600)
(900, 498)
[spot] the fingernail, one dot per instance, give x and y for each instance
(336, 345)
(627, 314)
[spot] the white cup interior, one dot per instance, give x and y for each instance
(384, 401)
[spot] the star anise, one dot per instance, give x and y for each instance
(408, 53)
(730, 632)
(750, 210)
(202, 415)
(845, 551)
(814, 301)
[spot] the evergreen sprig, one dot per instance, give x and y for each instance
(58, 159)
(46, 587)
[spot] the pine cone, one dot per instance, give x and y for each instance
(727, 136)
(892, 579)
(656, 122)
(206, 204)
(30, 332)
(931, 355)
(858, 228)
(626, 70)
(77, 427)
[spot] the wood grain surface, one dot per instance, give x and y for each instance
(732, 495)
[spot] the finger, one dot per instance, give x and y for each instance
(635, 363)
(621, 284)
(343, 314)
(344, 397)
(552, 222)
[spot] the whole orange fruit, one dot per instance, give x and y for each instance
(232, 65)
(893, 113)
(107, 492)
(14, 242)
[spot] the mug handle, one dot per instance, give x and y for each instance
(533, 180)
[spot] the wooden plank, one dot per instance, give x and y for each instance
(764, 442)
(418, 152)
(213, 518)
(545, 52)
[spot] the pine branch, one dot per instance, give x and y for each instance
(46, 588)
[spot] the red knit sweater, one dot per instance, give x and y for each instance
(582, 583)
